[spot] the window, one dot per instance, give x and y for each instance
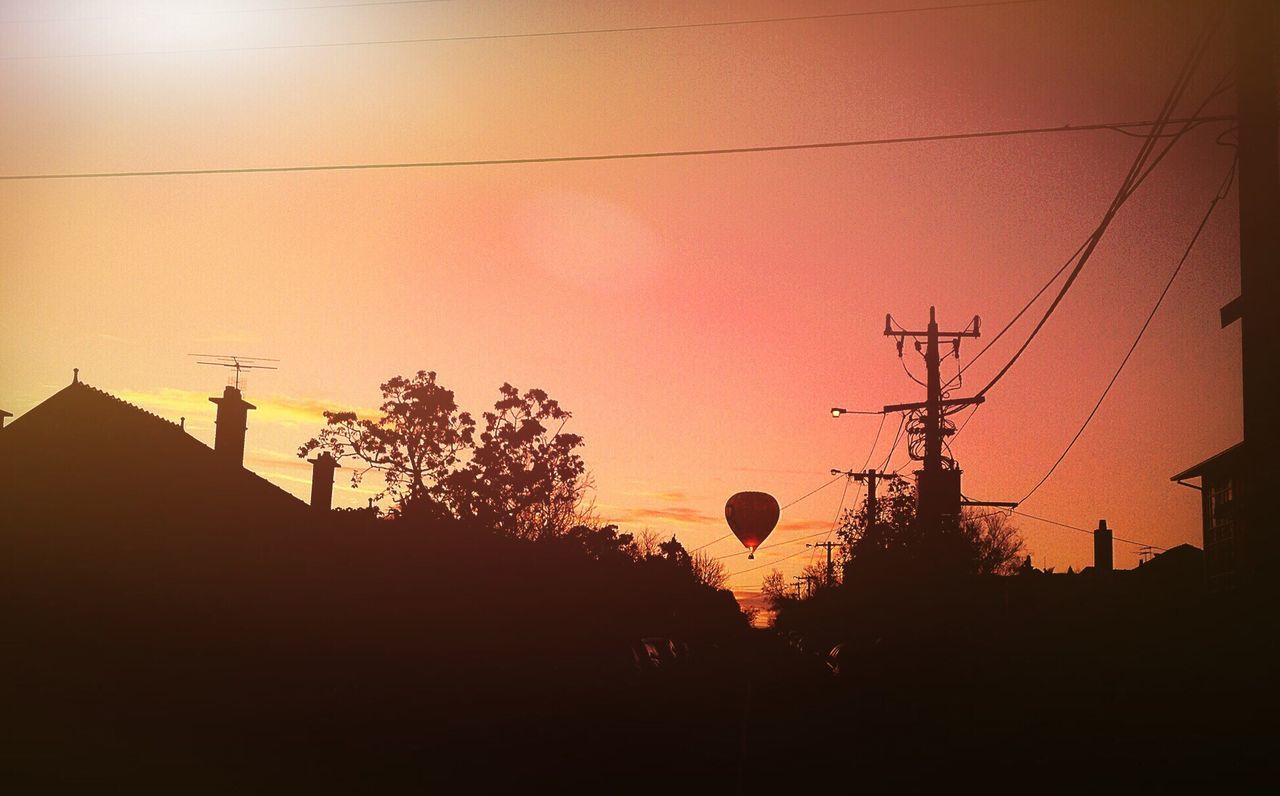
(1221, 504)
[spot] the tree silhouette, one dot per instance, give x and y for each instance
(415, 445)
(995, 545)
(980, 544)
(708, 571)
(524, 479)
(774, 586)
(894, 530)
(604, 542)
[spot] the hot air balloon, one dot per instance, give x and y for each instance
(752, 516)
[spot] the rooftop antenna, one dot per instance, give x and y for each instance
(235, 362)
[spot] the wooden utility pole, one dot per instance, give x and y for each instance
(871, 478)
(831, 573)
(938, 481)
(1259, 270)
(799, 580)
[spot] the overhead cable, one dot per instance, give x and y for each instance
(671, 153)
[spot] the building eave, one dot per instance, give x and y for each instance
(1198, 469)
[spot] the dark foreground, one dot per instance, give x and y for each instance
(159, 710)
(417, 659)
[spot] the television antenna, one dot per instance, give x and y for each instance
(235, 362)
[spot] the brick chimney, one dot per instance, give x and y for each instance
(322, 468)
(232, 422)
(1102, 560)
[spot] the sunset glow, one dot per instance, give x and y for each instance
(699, 315)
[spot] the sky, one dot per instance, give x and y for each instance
(698, 315)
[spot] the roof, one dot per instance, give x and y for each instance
(1213, 461)
(84, 440)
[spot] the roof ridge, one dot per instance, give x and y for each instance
(123, 402)
(169, 423)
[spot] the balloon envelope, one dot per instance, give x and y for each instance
(752, 516)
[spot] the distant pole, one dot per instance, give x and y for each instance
(831, 572)
(1259, 268)
(871, 478)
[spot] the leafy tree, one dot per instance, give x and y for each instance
(674, 553)
(525, 478)
(894, 528)
(980, 544)
(414, 445)
(604, 542)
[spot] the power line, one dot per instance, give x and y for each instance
(780, 510)
(902, 422)
(836, 519)
(1223, 85)
(780, 560)
(1218, 197)
(612, 156)
(532, 35)
(1132, 179)
(708, 544)
(809, 494)
(1082, 530)
(870, 452)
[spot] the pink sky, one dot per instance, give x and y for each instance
(697, 315)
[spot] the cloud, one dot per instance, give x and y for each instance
(671, 495)
(275, 409)
(677, 515)
(803, 525)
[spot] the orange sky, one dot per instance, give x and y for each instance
(697, 315)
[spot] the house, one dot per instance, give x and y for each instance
(1228, 559)
(84, 458)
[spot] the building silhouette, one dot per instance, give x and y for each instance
(1229, 561)
(84, 458)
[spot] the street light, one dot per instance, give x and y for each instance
(836, 411)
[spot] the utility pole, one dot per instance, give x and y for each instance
(938, 481)
(1259, 270)
(871, 478)
(831, 573)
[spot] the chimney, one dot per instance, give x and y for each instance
(1102, 561)
(232, 422)
(322, 468)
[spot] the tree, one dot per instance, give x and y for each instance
(815, 576)
(894, 528)
(996, 546)
(604, 542)
(708, 571)
(774, 586)
(980, 544)
(415, 445)
(524, 479)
